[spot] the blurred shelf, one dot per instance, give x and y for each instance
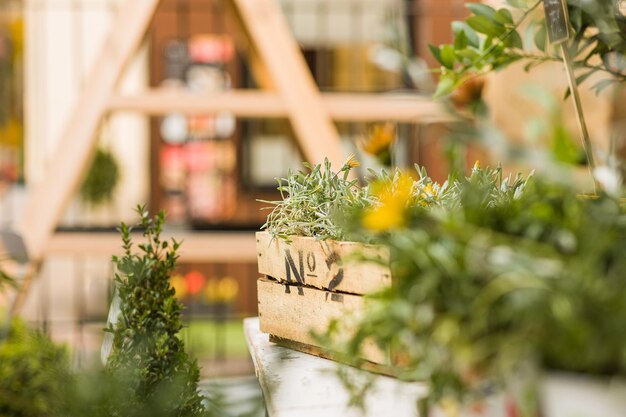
(260, 104)
(197, 246)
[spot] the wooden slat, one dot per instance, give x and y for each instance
(329, 265)
(246, 48)
(245, 103)
(410, 108)
(77, 142)
(267, 28)
(241, 103)
(196, 247)
(293, 312)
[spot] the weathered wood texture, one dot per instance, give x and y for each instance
(328, 265)
(294, 313)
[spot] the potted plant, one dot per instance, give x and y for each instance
(302, 256)
(315, 261)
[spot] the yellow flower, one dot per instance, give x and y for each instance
(429, 191)
(351, 162)
(476, 166)
(390, 212)
(450, 407)
(380, 139)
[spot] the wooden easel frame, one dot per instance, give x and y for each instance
(288, 91)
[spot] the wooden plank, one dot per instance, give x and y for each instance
(293, 312)
(242, 103)
(408, 108)
(330, 265)
(77, 142)
(196, 247)
(333, 356)
(246, 48)
(296, 384)
(267, 28)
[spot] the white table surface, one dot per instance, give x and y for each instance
(296, 384)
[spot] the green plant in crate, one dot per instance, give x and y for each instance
(491, 39)
(311, 198)
(147, 351)
(315, 203)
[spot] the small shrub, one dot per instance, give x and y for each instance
(147, 351)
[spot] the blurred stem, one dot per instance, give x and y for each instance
(580, 115)
(577, 64)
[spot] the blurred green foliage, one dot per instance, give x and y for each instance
(200, 337)
(101, 180)
(32, 371)
(534, 276)
(148, 374)
(491, 39)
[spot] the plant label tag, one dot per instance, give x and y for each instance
(557, 20)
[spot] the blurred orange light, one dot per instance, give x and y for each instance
(194, 281)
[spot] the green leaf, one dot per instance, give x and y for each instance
(487, 42)
(541, 37)
(481, 24)
(601, 85)
(446, 86)
(480, 9)
(504, 16)
(469, 55)
(576, 18)
(460, 41)
(531, 65)
(564, 148)
(470, 34)
(515, 40)
(581, 79)
(447, 56)
(436, 53)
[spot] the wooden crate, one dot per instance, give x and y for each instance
(290, 313)
(307, 283)
(326, 265)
